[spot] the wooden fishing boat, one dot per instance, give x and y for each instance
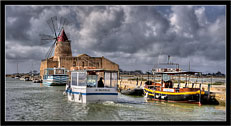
(166, 90)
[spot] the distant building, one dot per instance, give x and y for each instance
(63, 58)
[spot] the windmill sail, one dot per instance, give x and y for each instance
(57, 28)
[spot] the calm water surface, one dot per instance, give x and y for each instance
(27, 101)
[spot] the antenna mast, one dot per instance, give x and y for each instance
(158, 60)
(17, 67)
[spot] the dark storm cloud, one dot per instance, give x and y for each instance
(14, 21)
(131, 35)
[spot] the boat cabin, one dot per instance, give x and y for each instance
(171, 82)
(89, 86)
(55, 76)
(90, 78)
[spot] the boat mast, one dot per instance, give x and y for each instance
(189, 70)
(17, 67)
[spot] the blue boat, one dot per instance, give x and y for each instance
(55, 77)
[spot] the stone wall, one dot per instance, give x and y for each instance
(82, 61)
(109, 65)
(48, 63)
(62, 49)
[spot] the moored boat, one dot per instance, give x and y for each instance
(166, 90)
(135, 91)
(37, 81)
(55, 77)
(25, 78)
(84, 86)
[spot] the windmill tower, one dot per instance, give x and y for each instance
(61, 44)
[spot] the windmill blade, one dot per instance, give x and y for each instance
(44, 42)
(62, 23)
(53, 25)
(45, 39)
(50, 51)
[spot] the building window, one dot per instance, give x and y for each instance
(83, 64)
(74, 63)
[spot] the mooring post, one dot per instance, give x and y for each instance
(120, 83)
(148, 77)
(137, 81)
(200, 96)
(208, 91)
(141, 80)
(160, 94)
(211, 79)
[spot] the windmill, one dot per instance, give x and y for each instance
(57, 29)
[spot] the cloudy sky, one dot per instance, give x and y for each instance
(135, 37)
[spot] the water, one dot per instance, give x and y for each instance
(27, 101)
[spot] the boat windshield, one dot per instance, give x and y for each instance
(59, 71)
(78, 78)
(54, 71)
(92, 80)
(82, 78)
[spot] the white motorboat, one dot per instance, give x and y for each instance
(84, 86)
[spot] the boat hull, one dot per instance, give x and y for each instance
(186, 97)
(173, 96)
(56, 80)
(91, 95)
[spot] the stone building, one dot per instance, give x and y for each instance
(63, 58)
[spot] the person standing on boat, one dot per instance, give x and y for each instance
(100, 82)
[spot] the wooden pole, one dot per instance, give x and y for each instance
(137, 81)
(186, 79)
(211, 80)
(208, 91)
(141, 80)
(17, 69)
(200, 96)
(148, 78)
